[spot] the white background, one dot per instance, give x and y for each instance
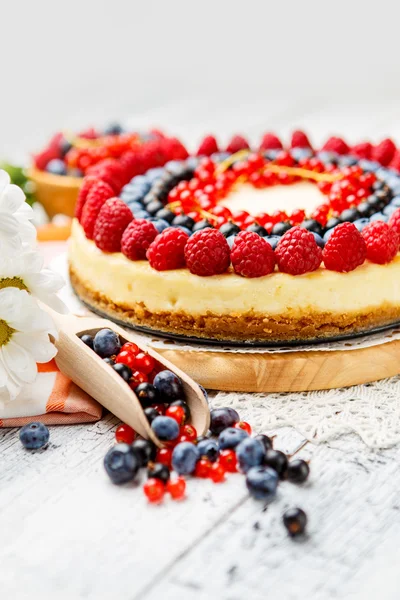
(197, 66)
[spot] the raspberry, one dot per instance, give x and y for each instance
(297, 252)
(395, 162)
(132, 163)
(167, 251)
(336, 144)
(345, 250)
(136, 239)
(270, 142)
(251, 255)
(237, 143)
(83, 193)
(382, 242)
(207, 253)
(394, 221)
(384, 152)
(110, 171)
(300, 140)
(208, 146)
(97, 195)
(362, 150)
(114, 217)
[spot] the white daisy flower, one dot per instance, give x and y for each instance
(24, 340)
(25, 271)
(15, 217)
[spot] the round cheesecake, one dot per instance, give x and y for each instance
(276, 307)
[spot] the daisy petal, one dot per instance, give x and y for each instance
(19, 362)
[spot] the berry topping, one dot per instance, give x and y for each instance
(238, 142)
(121, 463)
(154, 490)
(168, 250)
(137, 238)
(384, 152)
(97, 195)
(34, 435)
(300, 140)
(221, 418)
(208, 146)
(251, 255)
(382, 242)
(184, 458)
(297, 252)
(394, 221)
(270, 142)
(345, 249)
(336, 144)
(395, 162)
(362, 150)
(114, 217)
(207, 253)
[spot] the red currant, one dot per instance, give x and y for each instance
(221, 211)
(228, 460)
(177, 413)
(164, 456)
(127, 358)
(243, 425)
(284, 159)
(203, 467)
(257, 180)
(144, 363)
(256, 161)
(138, 377)
(297, 217)
(189, 431)
(131, 347)
(176, 487)
(154, 489)
(124, 433)
(160, 408)
(217, 472)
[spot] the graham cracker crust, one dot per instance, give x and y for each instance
(247, 327)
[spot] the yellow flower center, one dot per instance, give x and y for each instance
(16, 282)
(6, 333)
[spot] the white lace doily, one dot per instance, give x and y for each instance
(372, 411)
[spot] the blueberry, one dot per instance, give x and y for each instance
(147, 394)
(65, 146)
(185, 407)
(34, 435)
(106, 343)
(259, 229)
(281, 228)
(347, 160)
(109, 361)
(295, 521)
(364, 209)
(273, 241)
(299, 153)
(140, 180)
(166, 215)
(158, 471)
(396, 201)
(174, 166)
(318, 239)
(165, 428)
(361, 223)
(169, 386)
(134, 206)
(327, 157)
(151, 413)
(272, 154)
(183, 221)
(250, 453)
(153, 207)
(333, 222)
(350, 214)
(231, 437)
(228, 229)
(265, 440)
(312, 225)
(88, 340)
(56, 167)
(219, 156)
(133, 197)
(277, 460)
(186, 230)
(155, 174)
(203, 224)
(144, 451)
(298, 471)
(113, 129)
(262, 483)
(123, 371)
(208, 448)
(389, 210)
(141, 214)
(221, 418)
(184, 458)
(160, 224)
(379, 216)
(231, 240)
(75, 173)
(121, 463)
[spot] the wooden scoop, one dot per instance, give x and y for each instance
(76, 360)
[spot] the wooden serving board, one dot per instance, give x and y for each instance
(289, 371)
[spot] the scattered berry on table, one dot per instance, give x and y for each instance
(169, 386)
(184, 458)
(125, 433)
(203, 467)
(207, 253)
(121, 463)
(231, 437)
(228, 460)
(34, 435)
(208, 448)
(165, 428)
(158, 471)
(147, 394)
(265, 440)
(277, 460)
(217, 472)
(244, 426)
(164, 456)
(295, 521)
(106, 343)
(177, 488)
(88, 340)
(123, 371)
(297, 471)
(250, 453)
(345, 249)
(144, 451)
(262, 482)
(221, 418)
(154, 489)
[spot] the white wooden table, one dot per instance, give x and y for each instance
(67, 532)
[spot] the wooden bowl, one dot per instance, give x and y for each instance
(57, 193)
